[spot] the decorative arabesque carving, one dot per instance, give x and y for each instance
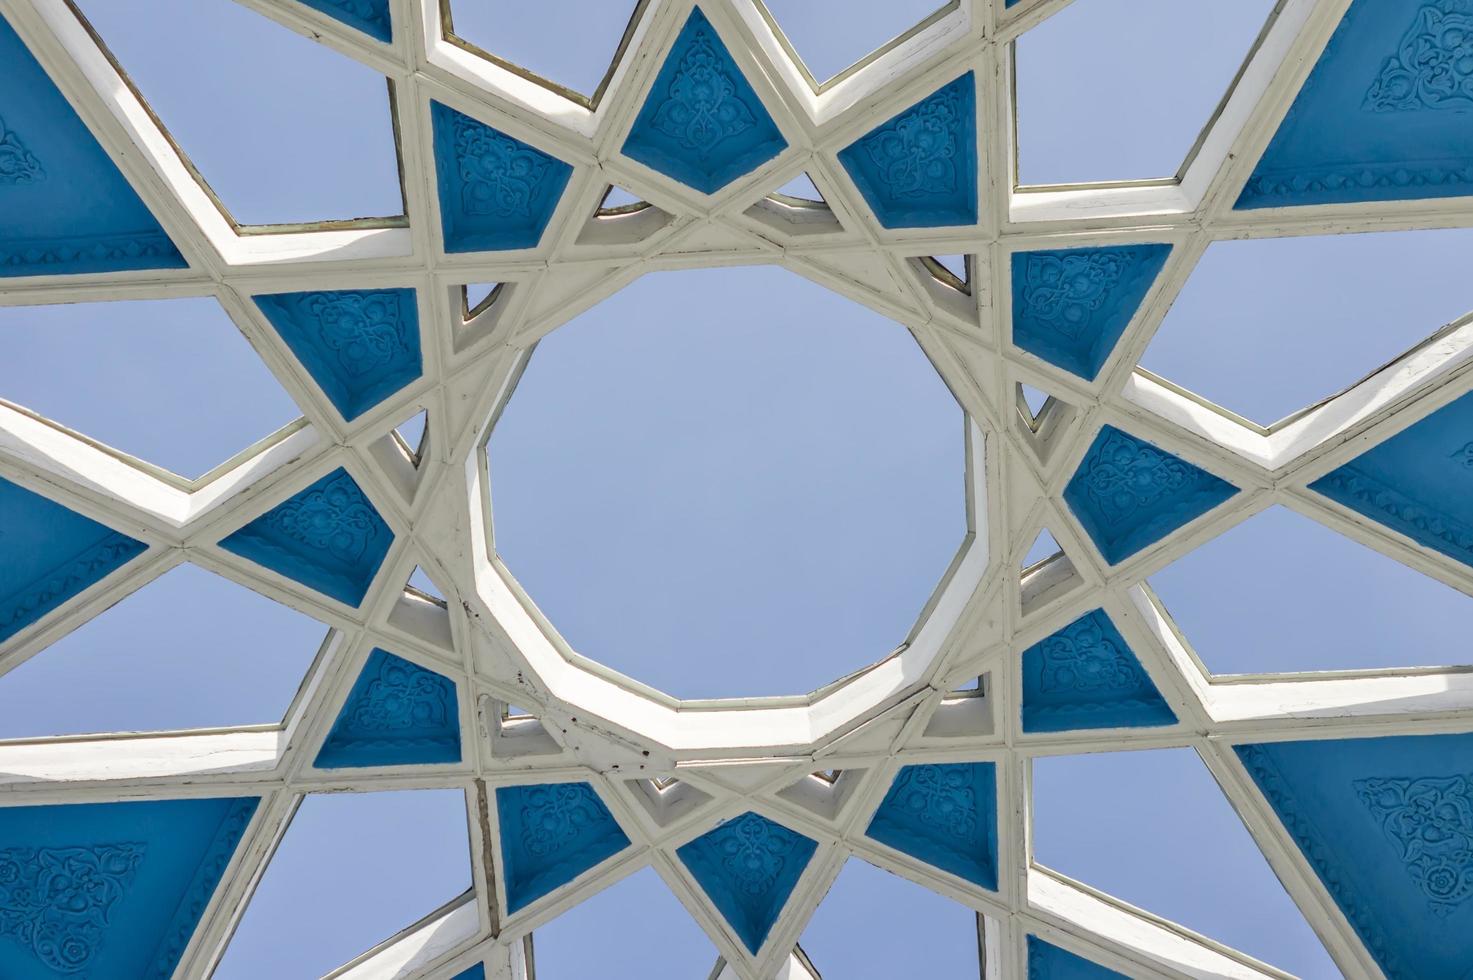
(1080, 658)
(502, 175)
(701, 107)
(334, 517)
(57, 901)
(18, 165)
(1064, 290)
(1430, 819)
(362, 329)
(1433, 64)
(1125, 475)
(916, 152)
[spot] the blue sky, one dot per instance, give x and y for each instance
(760, 524)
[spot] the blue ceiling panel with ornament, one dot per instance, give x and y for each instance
(550, 834)
(944, 815)
(397, 713)
(1086, 676)
(1048, 962)
(369, 16)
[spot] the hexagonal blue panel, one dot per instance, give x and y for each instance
(67, 207)
(1127, 494)
(110, 889)
(397, 714)
(1418, 483)
(1070, 306)
(748, 867)
(328, 537)
(919, 169)
(360, 346)
(48, 554)
(1086, 676)
(551, 834)
(702, 124)
(369, 16)
(1384, 116)
(1048, 962)
(946, 816)
(1387, 824)
(496, 192)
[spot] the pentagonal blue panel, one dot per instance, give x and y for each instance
(496, 192)
(110, 889)
(1419, 482)
(49, 554)
(1386, 114)
(1128, 494)
(369, 16)
(748, 867)
(1048, 962)
(66, 206)
(1070, 306)
(702, 124)
(1387, 824)
(944, 815)
(551, 834)
(919, 170)
(360, 346)
(328, 537)
(1086, 676)
(398, 713)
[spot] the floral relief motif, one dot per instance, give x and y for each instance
(941, 797)
(404, 696)
(1081, 658)
(754, 852)
(334, 517)
(555, 815)
(502, 175)
(916, 151)
(1430, 820)
(1126, 475)
(1065, 290)
(364, 330)
(1399, 511)
(56, 901)
(374, 12)
(1464, 456)
(18, 165)
(701, 107)
(1433, 64)
(61, 584)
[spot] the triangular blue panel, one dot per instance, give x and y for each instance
(944, 815)
(1070, 306)
(1048, 962)
(496, 192)
(66, 206)
(1086, 676)
(369, 16)
(919, 169)
(1386, 114)
(702, 124)
(1387, 824)
(1419, 482)
(102, 890)
(49, 554)
(360, 346)
(475, 972)
(748, 866)
(1128, 494)
(397, 714)
(551, 834)
(328, 537)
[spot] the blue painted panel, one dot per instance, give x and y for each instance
(702, 124)
(946, 816)
(397, 714)
(1387, 824)
(496, 192)
(1070, 306)
(1048, 962)
(1086, 676)
(106, 890)
(66, 206)
(359, 346)
(476, 972)
(919, 169)
(551, 834)
(1386, 114)
(748, 866)
(1128, 494)
(1419, 482)
(369, 16)
(328, 537)
(48, 554)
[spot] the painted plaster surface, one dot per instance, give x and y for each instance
(397, 713)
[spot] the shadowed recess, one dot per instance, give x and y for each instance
(1087, 676)
(1117, 120)
(944, 815)
(369, 16)
(869, 26)
(397, 713)
(67, 207)
(1153, 829)
(658, 939)
(696, 528)
(551, 834)
(110, 889)
(197, 63)
(188, 650)
(1049, 962)
(321, 902)
(1305, 597)
(1321, 314)
(112, 372)
(537, 38)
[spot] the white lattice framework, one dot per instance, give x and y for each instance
(725, 758)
